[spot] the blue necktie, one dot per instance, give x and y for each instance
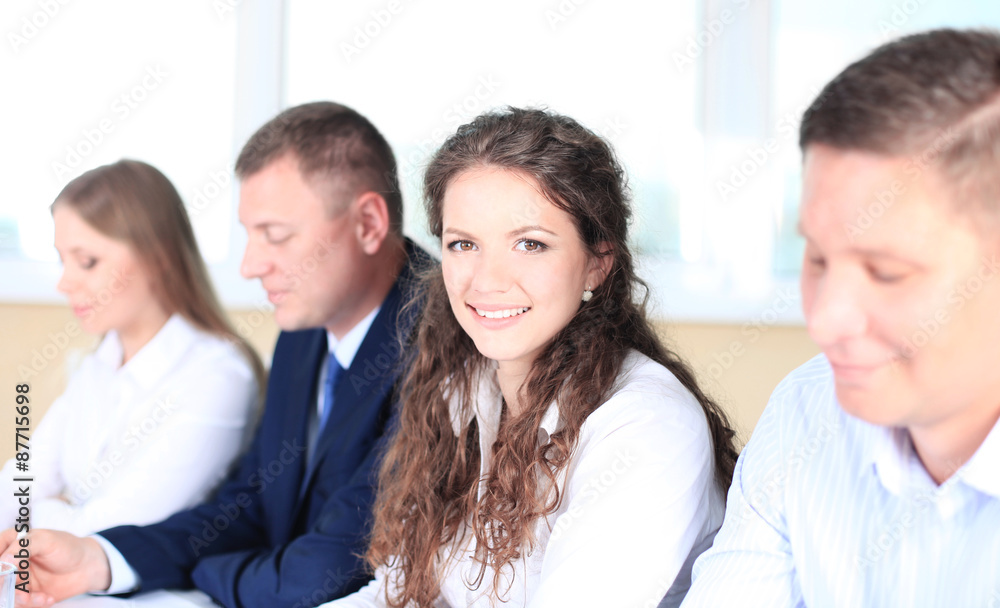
(333, 373)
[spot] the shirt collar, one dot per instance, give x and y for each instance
(487, 408)
(156, 358)
(109, 352)
(897, 465)
(347, 348)
(981, 470)
(890, 456)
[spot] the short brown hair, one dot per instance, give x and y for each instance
(329, 141)
(933, 96)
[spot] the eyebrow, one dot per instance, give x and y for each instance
(264, 225)
(865, 251)
(511, 234)
(74, 249)
(533, 228)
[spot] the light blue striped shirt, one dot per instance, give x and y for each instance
(826, 510)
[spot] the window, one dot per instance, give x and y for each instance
(700, 99)
(813, 42)
(419, 71)
(102, 80)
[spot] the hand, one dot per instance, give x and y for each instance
(62, 565)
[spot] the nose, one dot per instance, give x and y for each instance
(491, 274)
(253, 264)
(65, 283)
(835, 310)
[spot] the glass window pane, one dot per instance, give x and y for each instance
(97, 81)
(420, 70)
(814, 41)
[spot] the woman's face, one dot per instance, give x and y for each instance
(901, 292)
(103, 280)
(514, 265)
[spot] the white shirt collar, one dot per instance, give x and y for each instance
(891, 456)
(487, 408)
(981, 470)
(487, 402)
(154, 360)
(347, 348)
(898, 467)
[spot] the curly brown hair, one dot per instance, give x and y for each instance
(429, 480)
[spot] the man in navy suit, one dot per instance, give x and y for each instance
(323, 212)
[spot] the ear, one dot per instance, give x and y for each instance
(372, 224)
(600, 265)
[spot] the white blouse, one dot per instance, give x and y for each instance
(135, 443)
(640, 502)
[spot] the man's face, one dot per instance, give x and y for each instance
(307, 259)
(900, 291)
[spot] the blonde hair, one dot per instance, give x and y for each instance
(133, 202)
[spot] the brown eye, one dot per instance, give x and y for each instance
(530, 246)
(461, 246)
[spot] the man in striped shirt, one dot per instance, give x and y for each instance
(873, 476)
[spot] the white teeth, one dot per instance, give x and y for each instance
(501, 314)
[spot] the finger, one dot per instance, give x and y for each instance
(10, 559)
(44, 540)
(21, 598)
(7, 540)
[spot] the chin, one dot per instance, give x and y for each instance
(867, 405)
(494, 352)
(489, 353)
(288, 321)
(92, 328)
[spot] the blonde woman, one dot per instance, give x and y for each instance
(151, 419)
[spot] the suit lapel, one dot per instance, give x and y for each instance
(299, 403)
(374, 370)
(361, 389)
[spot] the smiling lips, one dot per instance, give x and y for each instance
(501, 314)
(853, 374)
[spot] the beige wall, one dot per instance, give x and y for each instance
(41, 341)
(742, 383)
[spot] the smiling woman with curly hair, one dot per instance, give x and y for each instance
(550, 452)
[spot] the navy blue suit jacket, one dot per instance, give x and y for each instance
(279, 532)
